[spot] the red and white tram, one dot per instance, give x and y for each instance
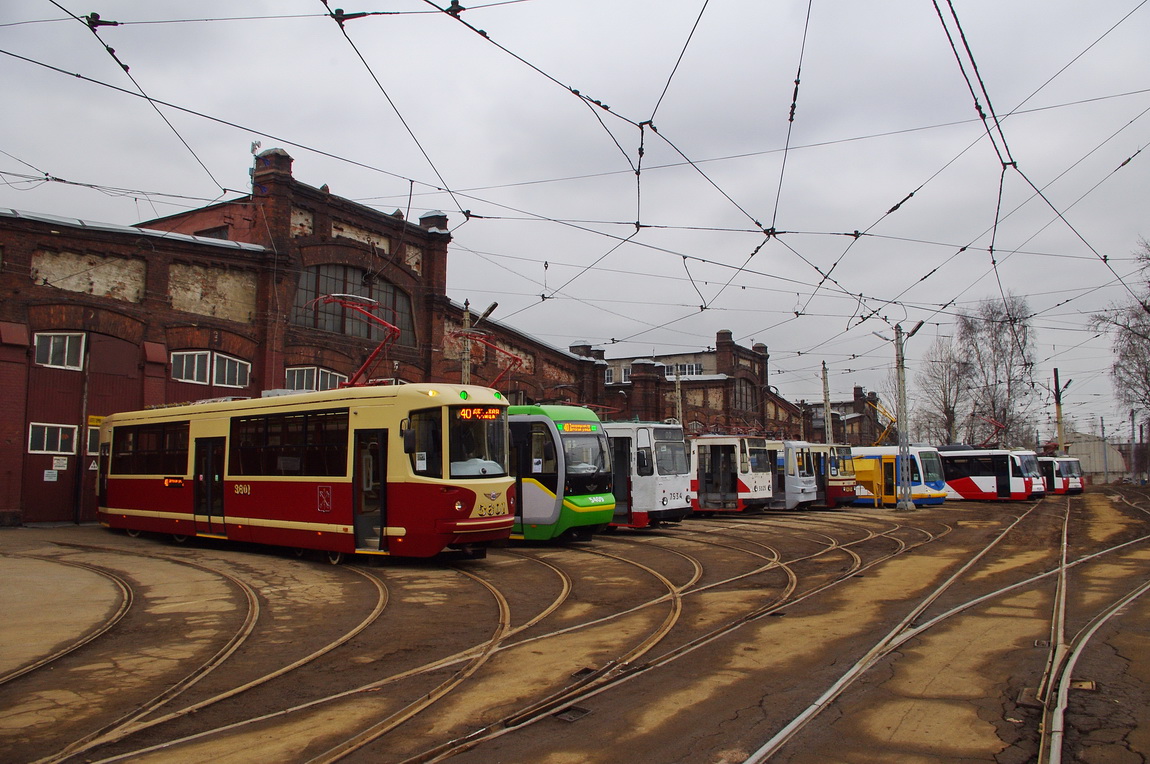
(652, 480)
(730, 473)
(407, 470)
(1063, 474)
(991, 474)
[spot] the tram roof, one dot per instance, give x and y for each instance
(432, 393)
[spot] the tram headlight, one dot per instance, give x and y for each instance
(664, 501)
(458, 505)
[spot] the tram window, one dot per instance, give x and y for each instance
(478, 447)
(760, 460)
(671, 457)
(585, 454)
(427, 458)
(312, 443)
(150, 449)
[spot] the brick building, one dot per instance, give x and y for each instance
(856, 422)
(221, 301)
(721, 389)
(224, 301)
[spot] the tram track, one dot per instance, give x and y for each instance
(584, 691)
(126, 598)
(481, 701)
(473, 657)
(913, 626)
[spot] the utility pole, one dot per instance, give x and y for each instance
(1058, 411)
(1105, 459)
(828, 423)
(905, 500)
(465, 372)
(1131, 462)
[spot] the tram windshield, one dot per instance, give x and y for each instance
(478, 438)
(931, 466)
(842, 462)
(671, 457)
(586, 454)
(760, 459)
(1069, 468)
(1029, 465)
(804, 464)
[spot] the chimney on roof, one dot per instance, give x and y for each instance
(434, 220)
(272, 162)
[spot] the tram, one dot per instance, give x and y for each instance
(730, 473)
(991, 474)
(834, 475)
(652, 473)
(561, 464)
(406, 470)
(794, 474)
(877, 469)
(1062, 474)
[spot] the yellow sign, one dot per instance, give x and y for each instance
(95, 421)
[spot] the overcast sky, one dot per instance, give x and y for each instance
(621, 160)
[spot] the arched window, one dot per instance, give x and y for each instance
(745, 397)
(320, 280)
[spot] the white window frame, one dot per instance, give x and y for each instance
(609, 376)
(199, 355)
(224, 365)
(303, 372)
(330, 380)
(46, 428)
(92, 447)
(50, 341)
(211, 369)
(626, 374)
(321, 378)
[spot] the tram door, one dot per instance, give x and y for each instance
(209, 486)
(718, 476)
(822, 466)
(1002, 474)
(888, 480)
(370, 489)
(621, 478)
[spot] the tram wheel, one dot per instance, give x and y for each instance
(133, 532)
(335, 558)
(298, 552)
(179, 538)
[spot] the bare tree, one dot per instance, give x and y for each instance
(995, 344)
(943, 392)
(1129, 325)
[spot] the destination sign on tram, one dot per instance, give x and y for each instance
(484, 413)
(577, 426)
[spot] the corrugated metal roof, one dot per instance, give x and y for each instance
(41, 217)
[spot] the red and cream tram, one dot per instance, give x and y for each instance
(408, 470)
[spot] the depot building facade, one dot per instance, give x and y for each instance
(228, 301)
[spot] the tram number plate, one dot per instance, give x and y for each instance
(242, 489)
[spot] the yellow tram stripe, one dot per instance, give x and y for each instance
(294, 525)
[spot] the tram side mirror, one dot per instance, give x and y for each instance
(408, 441)
(549, 452)
(643, 461)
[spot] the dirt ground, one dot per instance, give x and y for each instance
(855, 635)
